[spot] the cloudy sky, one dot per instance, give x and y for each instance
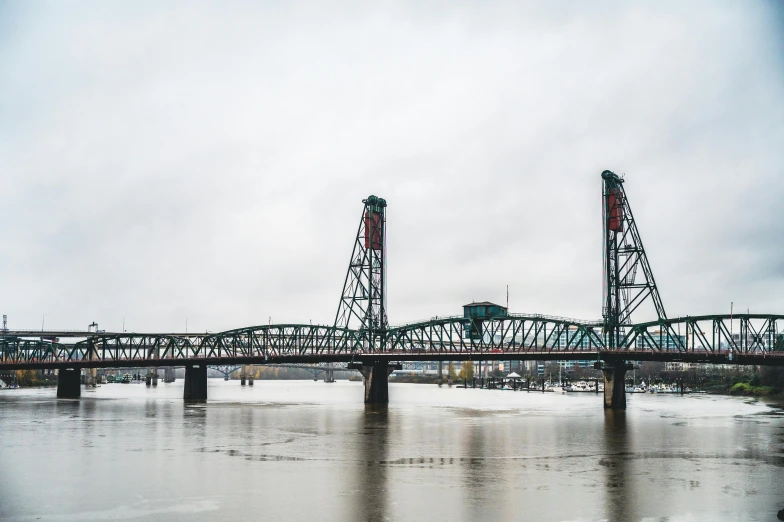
(166, 161)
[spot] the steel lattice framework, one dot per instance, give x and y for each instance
(628, 276)
(363, 300)
(742, 334)
(361, 331)
(741, 339)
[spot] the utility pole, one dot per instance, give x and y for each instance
(732, 339)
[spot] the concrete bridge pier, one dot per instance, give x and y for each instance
(376, 379)
(69, 384)
(155, 376)
(243, 374)
(195, 383)
(614, 385)
(169, 375)
(440, 379)
(251, 374)
(91, 377)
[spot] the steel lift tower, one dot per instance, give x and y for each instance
(363, 302)
(628, 281)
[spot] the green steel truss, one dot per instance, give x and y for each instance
(546, 338)
(507, 333)
(740, 333)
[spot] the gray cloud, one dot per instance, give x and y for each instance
(208, 161)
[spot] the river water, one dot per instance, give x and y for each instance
(303, 450)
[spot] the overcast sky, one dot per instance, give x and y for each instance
(162, 161)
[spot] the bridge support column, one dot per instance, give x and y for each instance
(376, 378)
(169, 375)
(155, 376)
(614, 386)
(195, 383)
(440, 379)
(69, 383)
(251, 374)
(91, 377)
(243, 374)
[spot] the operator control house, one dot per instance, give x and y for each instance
(479, 312)
(483, 310)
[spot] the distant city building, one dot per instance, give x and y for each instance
(662, 339)
(680, 366)
(568, 339)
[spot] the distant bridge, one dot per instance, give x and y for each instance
(314, 369)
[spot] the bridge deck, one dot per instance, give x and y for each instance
(719, 339)
(761, 359)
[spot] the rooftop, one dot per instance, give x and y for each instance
(483, 303)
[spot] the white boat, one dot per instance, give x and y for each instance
(579, 386)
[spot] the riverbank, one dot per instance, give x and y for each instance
(28, 379)
(743, 388)
(748, 388)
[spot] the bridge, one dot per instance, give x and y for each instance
(362, 338)
(247, 372)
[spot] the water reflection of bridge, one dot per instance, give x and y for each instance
(362, 338)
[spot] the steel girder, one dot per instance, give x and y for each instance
(258, 342)
(737, 333)
(125, 347)
(743, 334)
(18, 350)
(281, 340)
(513, 333)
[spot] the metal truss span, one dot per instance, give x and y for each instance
(514, 332)
(724, 339)
(736, 334)
(259, 342)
